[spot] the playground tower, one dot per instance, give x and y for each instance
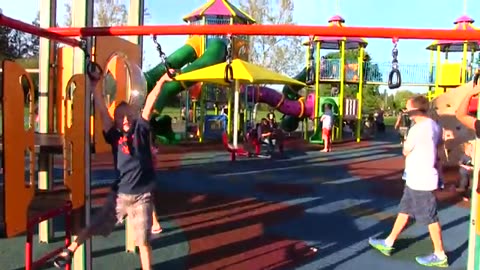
(446, 74)
(218, 12)
(338, 72)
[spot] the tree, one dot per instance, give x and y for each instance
(6, 49)
(107, 13)
(280, 54)
(401, 98)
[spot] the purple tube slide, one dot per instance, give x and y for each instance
(261, 94)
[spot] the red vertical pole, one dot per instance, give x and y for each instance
(68, 229)
(29, 249)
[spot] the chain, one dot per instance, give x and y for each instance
(163, 57)
(229, 56)
(395, 54)
(159, 48)
(310, 79)
(394, 77)
(93, 70)
(228, 75)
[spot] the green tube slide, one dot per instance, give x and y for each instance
(214, 54)
(290, 123)
(291, 91)
(317, 135)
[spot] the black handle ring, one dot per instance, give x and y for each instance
(394, 73)
(94, 71)
(170, 74)
(228, 75)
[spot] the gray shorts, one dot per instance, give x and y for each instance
(137, 207)
(421, 205)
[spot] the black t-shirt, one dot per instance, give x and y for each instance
(132, 158)
(477, 128)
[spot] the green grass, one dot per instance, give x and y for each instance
(390, 120)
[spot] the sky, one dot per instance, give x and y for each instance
(434, 14)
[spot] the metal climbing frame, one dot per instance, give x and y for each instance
(65, 210)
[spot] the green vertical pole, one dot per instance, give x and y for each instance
(48, 16)
(358, 134)
(342, 90)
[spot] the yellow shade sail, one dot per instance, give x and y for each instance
(244, 72)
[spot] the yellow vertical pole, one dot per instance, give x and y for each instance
(229, 103)
(342, 89)
(48, 16)
(464, 62)
(360, 94)
(305, 121)
(437, 72)
(135, 18)
(201, 124)
(430, 94)
(82, 16)
(317, 88)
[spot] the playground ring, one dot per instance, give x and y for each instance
(132, 74)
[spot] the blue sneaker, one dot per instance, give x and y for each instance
(432, 260)
(379, 244)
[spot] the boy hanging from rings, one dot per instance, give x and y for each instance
(129, 135)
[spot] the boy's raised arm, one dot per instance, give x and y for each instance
(153, 95)
(101, 106)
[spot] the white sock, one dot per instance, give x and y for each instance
(441, 255)
(388, 242)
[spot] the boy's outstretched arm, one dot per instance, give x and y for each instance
(101, 106)
(152, 97)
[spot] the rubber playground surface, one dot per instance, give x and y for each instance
(268, 213)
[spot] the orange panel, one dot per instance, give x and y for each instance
(105, 50)
(64, 73)
(16, 140)
(74, 150)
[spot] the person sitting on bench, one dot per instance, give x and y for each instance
(277, 133)
(265, 133)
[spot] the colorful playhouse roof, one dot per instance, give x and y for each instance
(333, 43)
(463, 23)
(218, 8)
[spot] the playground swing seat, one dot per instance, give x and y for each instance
(240, 151)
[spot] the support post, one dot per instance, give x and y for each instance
(48, 16)
(135, 18)
(82, 16)
(361, 63)
(341, 96)
(236, 103)
(316, 107)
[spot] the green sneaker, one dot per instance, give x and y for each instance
(379, 244)
(432, 260)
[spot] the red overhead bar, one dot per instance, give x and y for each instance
(35, 30)
(270, 30)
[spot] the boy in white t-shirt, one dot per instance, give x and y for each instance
(327, 124)
(418, 200)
